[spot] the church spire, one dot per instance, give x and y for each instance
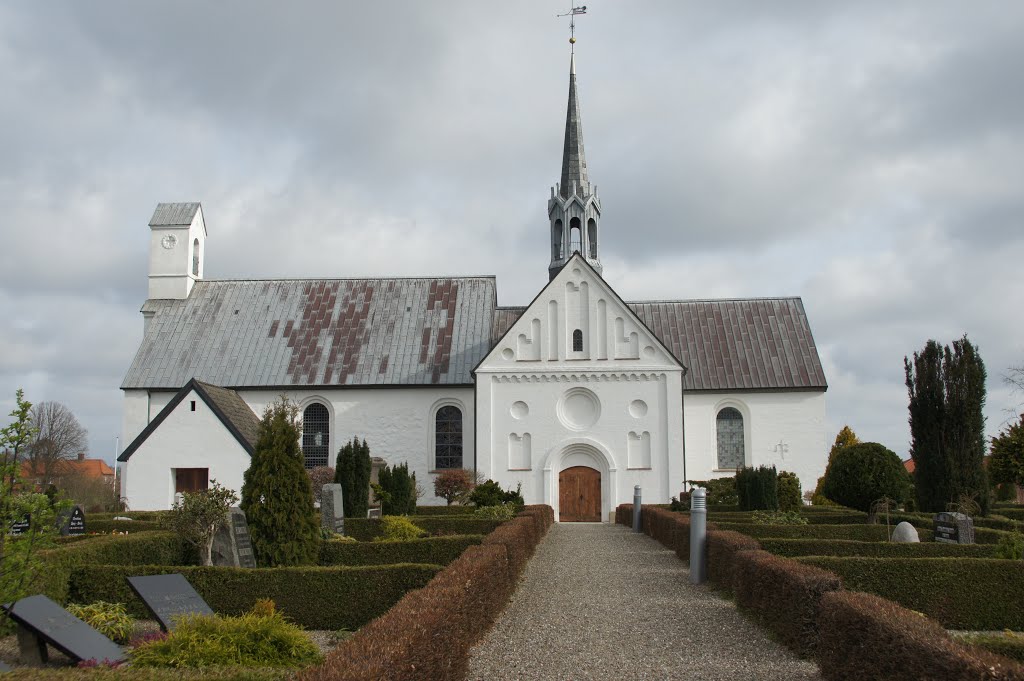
(574, 209)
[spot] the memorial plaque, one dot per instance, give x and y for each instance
(73, 522)
(232, 546)
(332, 512)
(41, 618)
(20, 527)
(167, 597)
(954, 528)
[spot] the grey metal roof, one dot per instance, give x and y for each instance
(261, 333)
(234, 409)
(751, 344)
(574, 161)
(173, 214)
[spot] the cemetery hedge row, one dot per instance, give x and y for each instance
(428, 634)
(977, 594)
(812, 518)
(445, 510)
(925, 522)
(339, 597)
(365, 529)
(1011, 513)
(854, 532)
(873, 549)
(433, 550)
(108, 526)
(151, 674)
(807, 608)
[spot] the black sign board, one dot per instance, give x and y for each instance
(73, 522)
(21, 526)
(243, 542)
(65, 632)
(167, 596)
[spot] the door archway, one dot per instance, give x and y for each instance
(579, 495)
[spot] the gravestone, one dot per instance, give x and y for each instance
(332, 513)
(41, 621)
(232, 546)
(20, 527)
(373, 513)
(905, 533)
(954, 528)
(73, 522)
(168, 596)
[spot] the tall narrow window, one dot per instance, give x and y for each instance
(316, 435)
(575, 236)
(592, 237)
(731, 452)
(577, 341)
(556, 241)
(448, 438)
(195, 258)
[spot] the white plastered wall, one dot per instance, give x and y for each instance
(784, 429)
(185, 439)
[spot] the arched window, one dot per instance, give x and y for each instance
(316, 435)
(592, 237)
(556, 241)
(448, 438)
(577, 341)
(731, 452)
(575, 236)
(195, 257)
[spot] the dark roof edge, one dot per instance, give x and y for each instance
(193, 384)
(787, 389)
(492, 277)
(321, 386)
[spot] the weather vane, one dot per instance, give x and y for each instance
(572, 13)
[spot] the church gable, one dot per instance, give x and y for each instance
(576, 322)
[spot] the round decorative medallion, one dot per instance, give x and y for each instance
(648, 351)
(578, 409)
(519, 410)
(637, 408)
(508, 353)
(168, 241)
(576, 271)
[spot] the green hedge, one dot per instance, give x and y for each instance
(153, 516)
(433, 550)
(854, 532)
(812, 518)
(365, 529)
(108, 526)
(129, 674)
(923, 521)
(445, 510)
(313, 597)
(979, 594)
(874, 549)
(144, 548)
(1011, 513)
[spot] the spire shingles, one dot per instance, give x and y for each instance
(574, 162)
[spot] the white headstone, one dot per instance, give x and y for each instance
(905, 533)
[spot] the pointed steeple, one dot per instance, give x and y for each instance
(574, 162)
(574, 209)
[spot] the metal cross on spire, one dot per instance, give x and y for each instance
(572, 13)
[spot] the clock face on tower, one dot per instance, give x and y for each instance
(168, 241)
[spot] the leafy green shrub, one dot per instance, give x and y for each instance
(790, 497)
(366, 529)
(396, 490)
(680, 505)
(721, 491)
(398, 528)
(490, 493)
(198, 516)
(1008, 644)
(257, 639)
(431, 551)
(1011, 547)
(757, 488)
(502, 512)
(352, 472)
(778, 518)
(864, 472)
(110, 619)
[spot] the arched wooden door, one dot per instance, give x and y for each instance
(579, 495)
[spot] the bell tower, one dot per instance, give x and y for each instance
(574, 208)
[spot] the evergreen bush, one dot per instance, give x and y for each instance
(790, 497)
(862, 473)
(396, 489)
(490, 493)
(276, 496)
(352, 472)
(721, 491)
(398, 528)
(757, 488)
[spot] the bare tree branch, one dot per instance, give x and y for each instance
(60, 436)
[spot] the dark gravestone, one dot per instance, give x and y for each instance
(373, 513)
(42, 621)
(332, 512)
(20, 527)
(168, 596)
(73, 522)
(954, 528)
(232, 546)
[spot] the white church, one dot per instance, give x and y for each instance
(577, 396)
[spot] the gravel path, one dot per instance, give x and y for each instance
(600, 602)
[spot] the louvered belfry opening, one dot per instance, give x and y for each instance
(316, 435)
(448, 438)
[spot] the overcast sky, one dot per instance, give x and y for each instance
(868, 157)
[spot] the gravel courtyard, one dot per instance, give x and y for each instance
(600, 602)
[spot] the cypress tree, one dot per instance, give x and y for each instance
(277, 497)
(946, 388)
(352, 472)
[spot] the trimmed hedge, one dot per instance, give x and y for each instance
(366, 529)
(313, 597)
(923, 521)
(854, 532)
(812, 518)
(154, 516)
(723, 552)
(866, 638)
(874, 549)
(428, 634)
(432, 550)
(977, 594)
(130, 674)
(783, 594)
(130, 526)
(445, 510)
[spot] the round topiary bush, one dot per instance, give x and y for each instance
(863, 473)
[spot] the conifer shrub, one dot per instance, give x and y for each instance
(276, 496)
(790, 496)
(396, 489)
(720, 491)
(352, 472)
(862, 473)
(757, 488)
(110, 619)
(490, 493)
(398, 528)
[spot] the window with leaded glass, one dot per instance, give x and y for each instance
(448, 438)
(731, 453)
(316, 435)
(577, 341)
